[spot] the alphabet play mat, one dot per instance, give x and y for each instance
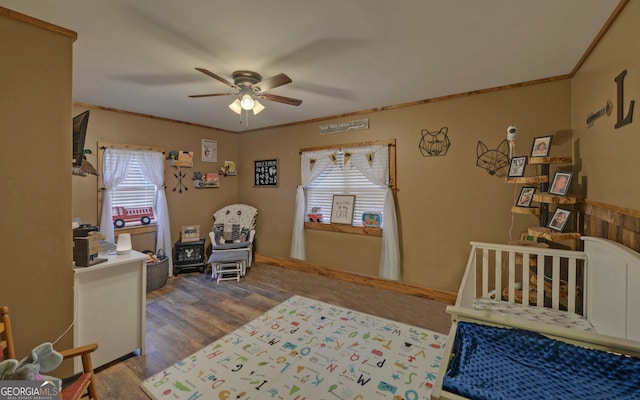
(307, 349)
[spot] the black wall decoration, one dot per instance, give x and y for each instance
(622, 121)
(435, 143)
(266, 173)
(494, 161)
(180, 185)
(606, 110)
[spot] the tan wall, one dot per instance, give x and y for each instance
(610, 165)
(443, 202)
(35, 170)
(192, 206)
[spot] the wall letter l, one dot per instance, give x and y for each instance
(620, 86)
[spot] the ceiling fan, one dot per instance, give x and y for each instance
(248, 87)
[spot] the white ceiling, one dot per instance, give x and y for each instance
(343, 56)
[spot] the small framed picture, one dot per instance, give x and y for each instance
(372, 218)
(190, 233)
(541, 146)
(342, 209)
(559, 219)
(560, 184)
(526, 196)
(517, 166)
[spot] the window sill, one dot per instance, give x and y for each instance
(356, 230)
(135, 230)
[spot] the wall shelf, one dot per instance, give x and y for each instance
(554, 236)
(528, 179)
(550, 160)
(525, 210)
(545, 197)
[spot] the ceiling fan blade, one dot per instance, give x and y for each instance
(217, 77)
(270, 83)
(281, 99)
(210, 95)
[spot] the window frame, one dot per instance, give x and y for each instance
(136, 229)
(357, 230)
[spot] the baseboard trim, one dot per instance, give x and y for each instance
(380, 283)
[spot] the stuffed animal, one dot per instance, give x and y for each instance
(42, 359)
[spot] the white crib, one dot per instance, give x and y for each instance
(550, 291)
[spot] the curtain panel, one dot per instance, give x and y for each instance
(313, 165)
(113, 173)
(153, 169)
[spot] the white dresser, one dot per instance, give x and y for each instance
(110, 306)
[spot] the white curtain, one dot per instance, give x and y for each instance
(152, 167)
(313, 165)
(113, 173)
(373, 162)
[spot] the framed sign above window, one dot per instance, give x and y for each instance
(265, 173)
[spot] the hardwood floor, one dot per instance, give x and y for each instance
(192, 311)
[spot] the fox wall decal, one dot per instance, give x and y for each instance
(494, 161)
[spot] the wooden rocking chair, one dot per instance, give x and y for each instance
(80, 385)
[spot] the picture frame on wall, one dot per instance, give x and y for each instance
(559, 219)
(342, 209)
(560, 184)
(541, 146)
(265, 173)
(526, 196)
(517, 165)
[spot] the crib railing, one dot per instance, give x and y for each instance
(525, 274)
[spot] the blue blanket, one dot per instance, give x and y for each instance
(511, 364)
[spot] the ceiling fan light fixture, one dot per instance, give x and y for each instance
(236, 107)
(247, 102)
(257, 107)
(249, 86)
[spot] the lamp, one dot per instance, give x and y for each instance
(124, 243)
(246, 102)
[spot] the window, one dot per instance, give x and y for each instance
(329, 170)
(344, 178)
(130, 179)
(365, 170)
(133, 198)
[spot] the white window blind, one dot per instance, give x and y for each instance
(344, 179)
(135, 191)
